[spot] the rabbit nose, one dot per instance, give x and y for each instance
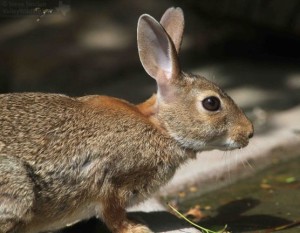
(250, 135)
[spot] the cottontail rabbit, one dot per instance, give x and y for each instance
(65, 159)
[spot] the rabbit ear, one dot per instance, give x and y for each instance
(173, 22)
(157, 52)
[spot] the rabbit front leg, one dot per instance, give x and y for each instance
(114, 216)
(16, 194)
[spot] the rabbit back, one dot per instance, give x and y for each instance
(88, 143)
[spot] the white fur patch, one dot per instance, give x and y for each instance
(231, 144)
(223, 143)
(190, 143)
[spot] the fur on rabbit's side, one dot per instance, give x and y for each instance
(66, 159)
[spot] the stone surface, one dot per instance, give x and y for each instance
(158, 218)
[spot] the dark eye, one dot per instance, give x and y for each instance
(211, 103)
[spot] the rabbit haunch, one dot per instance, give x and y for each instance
(65, 159)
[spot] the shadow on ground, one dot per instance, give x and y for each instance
(231, 215)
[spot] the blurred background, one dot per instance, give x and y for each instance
(251, 48)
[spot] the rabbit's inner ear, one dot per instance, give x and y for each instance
(160, 57)
(156, 50)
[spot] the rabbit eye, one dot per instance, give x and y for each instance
(211, 103)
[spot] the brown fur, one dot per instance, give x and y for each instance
(65, 159)
(57, 147)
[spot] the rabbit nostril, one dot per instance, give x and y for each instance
(250, 135)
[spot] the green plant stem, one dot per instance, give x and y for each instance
(194, 224)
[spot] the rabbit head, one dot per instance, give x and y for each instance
(191, 109)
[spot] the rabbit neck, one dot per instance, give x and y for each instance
(149, 109)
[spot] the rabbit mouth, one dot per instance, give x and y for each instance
(231, 144)
(224, 143)
(228, 144)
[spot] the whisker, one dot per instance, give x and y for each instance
(236, 159)
(249, 165)
(246, 162)
(228, 165)
(243, 162)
